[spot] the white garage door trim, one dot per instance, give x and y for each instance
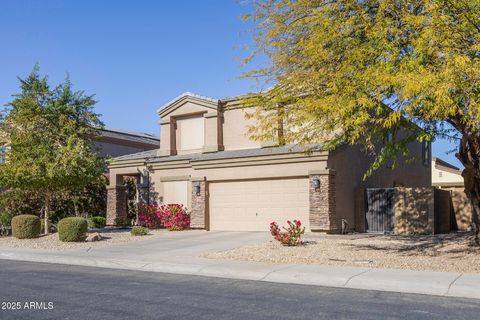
(251, 205)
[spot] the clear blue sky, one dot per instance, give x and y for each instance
(134, 55)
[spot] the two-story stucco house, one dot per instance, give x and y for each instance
(207, 162)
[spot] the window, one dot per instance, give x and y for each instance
(426, 153)
(191, 133)
(440, 174)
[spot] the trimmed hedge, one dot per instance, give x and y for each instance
(26, 226)
(139, 231)
(73, 229)
(97, 222)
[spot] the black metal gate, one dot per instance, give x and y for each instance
(380, 211)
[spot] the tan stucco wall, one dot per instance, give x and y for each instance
(258, 171)
(186, 108)
(350, 164)
(461, 207)
(414, 210)
(225, 127)
(235, 128)
(190, 135)
(188, 122)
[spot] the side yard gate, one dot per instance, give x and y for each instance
(379, 210)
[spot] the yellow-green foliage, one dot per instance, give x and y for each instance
(337, 65)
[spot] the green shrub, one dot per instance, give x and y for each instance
(72, 229)
(26, 226)
(139, 231)
(6, 218)
(97, 222)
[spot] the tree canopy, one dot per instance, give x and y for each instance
(48, 134)
(353, 71)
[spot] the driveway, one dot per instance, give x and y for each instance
(184, 247)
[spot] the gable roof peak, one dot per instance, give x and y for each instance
(186, 95)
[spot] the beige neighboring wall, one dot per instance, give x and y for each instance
(443, 175)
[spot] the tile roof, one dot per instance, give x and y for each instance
(121, 134)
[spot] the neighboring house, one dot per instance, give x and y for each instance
(207, 162)
(445, 174)
(447, 177)
(116, 142)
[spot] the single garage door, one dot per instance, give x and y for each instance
(252, 205)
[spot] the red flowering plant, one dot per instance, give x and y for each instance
(175, 217)
(291, 236)
(149, 216)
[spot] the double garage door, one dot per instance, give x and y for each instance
(253, 205)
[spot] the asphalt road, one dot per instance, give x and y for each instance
(71, 292)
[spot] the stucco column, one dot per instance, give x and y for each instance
(198, 212)
(323, 215)
(213, 132)
(116, 205)
(168, 146)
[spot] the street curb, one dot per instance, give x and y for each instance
(446, 284)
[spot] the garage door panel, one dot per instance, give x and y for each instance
(257, 203)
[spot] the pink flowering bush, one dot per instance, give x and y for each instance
(149, 216)
(291, 236)
(174, 217)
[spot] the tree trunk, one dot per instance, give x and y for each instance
(469, 155)
(75, 208)
(46, 214)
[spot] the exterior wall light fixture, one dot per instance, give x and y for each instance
(196, 188)
(316, 184)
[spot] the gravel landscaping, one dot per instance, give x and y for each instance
(51, 242)
(451, 252)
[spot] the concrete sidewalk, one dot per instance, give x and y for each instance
(179, 254)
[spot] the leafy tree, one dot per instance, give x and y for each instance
(49, 133)
(356, 70)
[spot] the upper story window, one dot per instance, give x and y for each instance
(191, 133)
